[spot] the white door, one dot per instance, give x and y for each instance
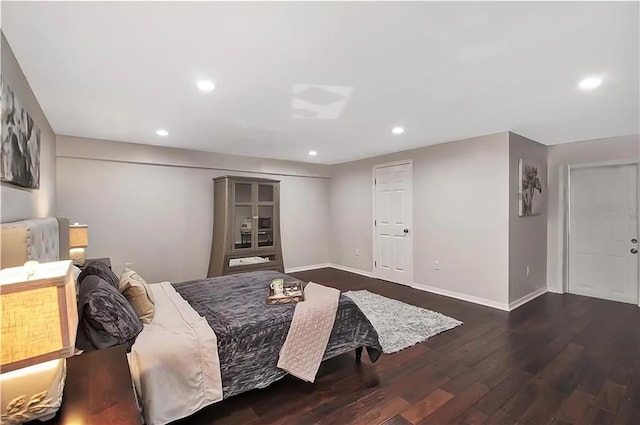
(393, 210)
(603, 232)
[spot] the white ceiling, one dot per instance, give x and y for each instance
(443, 71)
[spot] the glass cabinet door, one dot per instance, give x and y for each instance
(266, 216)
(265, 193)
(243, 216)
(253, 216)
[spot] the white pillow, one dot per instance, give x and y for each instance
(136, 291)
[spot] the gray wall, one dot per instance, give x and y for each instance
(19, 203)
(153, 206)
(461, 215)
(559, 157)
(527, 235)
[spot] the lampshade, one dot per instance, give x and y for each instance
(39, 314)
(78, 236)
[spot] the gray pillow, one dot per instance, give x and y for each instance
(98, 268)
(105, 317)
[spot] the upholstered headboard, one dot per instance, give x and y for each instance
(40, 239)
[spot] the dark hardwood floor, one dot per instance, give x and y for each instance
(560, 359)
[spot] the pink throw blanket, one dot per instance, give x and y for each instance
(309, 333)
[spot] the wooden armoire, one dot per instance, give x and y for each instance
(246, 226)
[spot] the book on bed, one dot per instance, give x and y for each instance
(292, 292)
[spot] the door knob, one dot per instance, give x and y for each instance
(634, 251)
(634, 240)
(406, 230)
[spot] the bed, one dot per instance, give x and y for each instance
(40, 239)
(209, 339)
(249, 335)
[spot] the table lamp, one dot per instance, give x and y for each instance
(78, 241)
(38, 331)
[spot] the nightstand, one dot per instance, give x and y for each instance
(98, 390)
(106, 261)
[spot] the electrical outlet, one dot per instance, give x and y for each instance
(436, 265)
(357, 252)
(528, 270)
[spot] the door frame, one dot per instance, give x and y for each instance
(373, 217)
(564, 209)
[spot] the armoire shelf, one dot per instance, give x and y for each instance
(246, 226)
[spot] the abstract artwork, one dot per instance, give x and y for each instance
(530, 191)
(19, 143)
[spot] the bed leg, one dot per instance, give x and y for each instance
(359, 355)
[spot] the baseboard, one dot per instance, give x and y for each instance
(523, 300)
(554, 290)
(351, 270)
(328, 265)
(305, 268)
(461, 296)
(432, 289)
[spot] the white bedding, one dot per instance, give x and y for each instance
(174, 361)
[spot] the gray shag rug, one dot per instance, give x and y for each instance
(400, 325)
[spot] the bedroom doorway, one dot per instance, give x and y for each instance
(603, 232)
(393, 222)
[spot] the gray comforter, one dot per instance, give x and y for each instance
(250, 332)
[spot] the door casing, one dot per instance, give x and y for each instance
(373, 218)
(564, 190)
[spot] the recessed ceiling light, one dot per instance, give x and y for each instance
(313, 153)
(590, 83)
(206, 85)
(162, 133)
(397, 130)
